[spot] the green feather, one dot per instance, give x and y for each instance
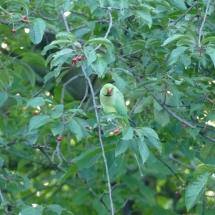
(112, 101)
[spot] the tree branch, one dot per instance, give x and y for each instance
(203, 22)
(100, 140)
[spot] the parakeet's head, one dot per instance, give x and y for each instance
(108, 90)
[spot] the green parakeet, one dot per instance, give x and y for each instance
(112, 101)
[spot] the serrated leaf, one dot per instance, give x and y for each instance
(211, 52)
(207, 151)
(146, 16)
(100, 40)
(72, 169)
(175, 54)
(65, 35)
(161, 117)
(57, 128)
(81, 32)
(34, 102)
(152, 137)
(143, 150)
(57, 111)
(203, 169)
(37, 30)
(178, 4)
(3, 97)
(55, 208)
(90, 54)
(93, 151)
(99, 66)
(193, 132)
(47, 48)
(38, 121)
(21, 3)
(119, 81)
(128, 135)
(173, 38)
(121, 147)
(38, 210)
(61, 57)
(195, 189)
(76, 128)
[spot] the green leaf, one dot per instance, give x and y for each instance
(173, 38)
(55, 208)
(120, 82)
(211, 52)
(93, 151)
(161, 117)
(38, 121)
(21, 3)
(195, 189)
(100, 40)
(128, 134)
(76, 128)
(152, 137)
(38, 210)
(35, 102)
(143, 104)
(3, 98)
(1, 162)
(193, 132)
(99, 66)
(178, 4)
(37, 30)
(57, 111)
(81, 32)
(61, 57)
(57, 128)
(143, 150)
(72, 170)
(203, 169)
(146, 16)
(208, 150)
(121, 147)
(176, 53)
(65, 35)
(90, 54)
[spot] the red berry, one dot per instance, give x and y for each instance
(24, 17)
(59, 138)
(79, 58)
(13, 31)
(74, 60)
(177, 193)
(184, 125)
(35, 112)
(116, 131)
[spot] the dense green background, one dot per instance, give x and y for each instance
(160, 54)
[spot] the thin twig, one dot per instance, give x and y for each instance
(64, 19)
(182, 16)
(181, 182)
(109, 27)
(181, 163)
(5, 11)
(35, 95)
(65, 84)
(82, 101)
(100, 140)
(203, 22)
(3, 200)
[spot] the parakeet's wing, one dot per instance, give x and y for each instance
(120, 105)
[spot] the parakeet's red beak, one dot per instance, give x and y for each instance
(109, 91)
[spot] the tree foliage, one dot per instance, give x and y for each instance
(60, 154)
